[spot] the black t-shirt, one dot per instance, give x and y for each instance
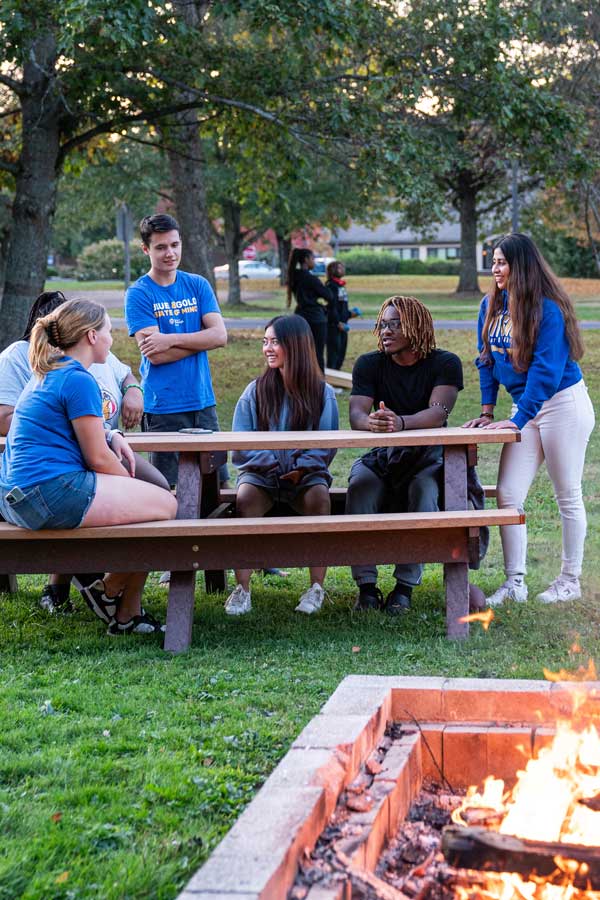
(405, 390)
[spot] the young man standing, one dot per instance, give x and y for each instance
(405, 384)
(175, 319)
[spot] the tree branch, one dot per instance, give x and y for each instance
(16, 86)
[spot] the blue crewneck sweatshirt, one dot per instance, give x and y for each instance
(551, 368)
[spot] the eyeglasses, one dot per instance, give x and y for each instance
(394, 325)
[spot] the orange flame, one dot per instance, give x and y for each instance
(484, 617)
(580, 674)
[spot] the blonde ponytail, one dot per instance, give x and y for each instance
(54, 334)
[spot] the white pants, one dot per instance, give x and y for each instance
(559, 435)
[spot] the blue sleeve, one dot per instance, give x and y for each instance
(139, 311)
(81, 395)
(487, 382)
(550, 356)
(245, 419)
(318, 459)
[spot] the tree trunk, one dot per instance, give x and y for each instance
(187, 175)
(5, 226)
(467, 205)
(187, 171)
(35, 191)
(284, 248)
(232, 237)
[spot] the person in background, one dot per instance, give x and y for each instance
(77, 481)
(529, 342)
(290, 395)
(406, 383)
(176, 320)
(122, 396)
(307, 290)
(339, 315)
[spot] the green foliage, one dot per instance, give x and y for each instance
(565, 253)
(364, 261)
(104, 260)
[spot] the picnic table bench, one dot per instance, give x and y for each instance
(206, 537)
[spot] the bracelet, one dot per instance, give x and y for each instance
(486, 415)
(403, 422)
(132, 385)
(443, 406)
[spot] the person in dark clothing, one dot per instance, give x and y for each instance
(339, 315)
(307, 289)
(407, 383)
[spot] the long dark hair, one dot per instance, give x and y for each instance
(298, 256)
(300, 382)
(530, 280)
(42, 306)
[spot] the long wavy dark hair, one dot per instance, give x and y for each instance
(530, 280)
(298, 256)
(300, 381)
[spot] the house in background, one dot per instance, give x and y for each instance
(444, 241)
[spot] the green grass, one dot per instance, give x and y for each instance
(121, 767)
(72, 286)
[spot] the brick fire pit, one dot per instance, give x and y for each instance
(467, 729)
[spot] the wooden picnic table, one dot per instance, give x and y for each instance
(200, 456)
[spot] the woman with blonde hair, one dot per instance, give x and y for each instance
(77, 481)
(529, 341)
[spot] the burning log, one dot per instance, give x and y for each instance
(481, 849)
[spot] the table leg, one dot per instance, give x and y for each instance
(180, 608)
(8, 584)
(456, 575)
(214, 579)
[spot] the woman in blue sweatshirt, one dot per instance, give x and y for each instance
(529, 341)
(290, 395)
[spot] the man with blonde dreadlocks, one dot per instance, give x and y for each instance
(407, 383)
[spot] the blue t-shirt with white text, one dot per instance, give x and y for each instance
(41, 442)
(184, 385)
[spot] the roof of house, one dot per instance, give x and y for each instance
(388, 233)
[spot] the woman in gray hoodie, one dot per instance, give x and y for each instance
(290, 395)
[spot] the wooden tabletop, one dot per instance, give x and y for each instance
(290, 440)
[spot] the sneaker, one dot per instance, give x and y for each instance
(561, 590)
(239, 602)
(165, 578)
(369, 597)
(510, 590)
(55, 599)
(311, 600)
(398, 600)
(94, 595)
(142, 624)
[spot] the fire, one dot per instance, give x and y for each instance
(484, 617)
(556, 799)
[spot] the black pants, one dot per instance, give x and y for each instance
(168, 463)
(319, 333)
(337, 343)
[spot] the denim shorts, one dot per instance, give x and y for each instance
(60, 502)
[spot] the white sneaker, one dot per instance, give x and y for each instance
(238, 602)
(311, 600)
(510, 590)
(562, 590)
(165, 578)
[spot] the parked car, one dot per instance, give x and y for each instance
(321, 263)
(250, 268)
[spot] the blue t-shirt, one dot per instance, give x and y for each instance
(184, 385)
(41, 443)
(551, 368)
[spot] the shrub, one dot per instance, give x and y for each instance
(104, 261)
(364, 261)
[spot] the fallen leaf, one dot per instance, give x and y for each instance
(64, 876)
(356, 649)
(207, 761)
(56, 817)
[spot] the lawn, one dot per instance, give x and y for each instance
(121, 768)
